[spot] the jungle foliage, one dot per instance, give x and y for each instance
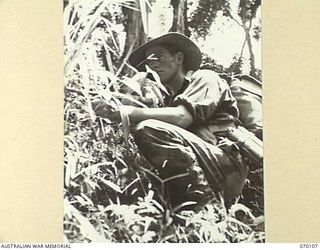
(109, 195)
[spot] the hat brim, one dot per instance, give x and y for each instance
(192, 54)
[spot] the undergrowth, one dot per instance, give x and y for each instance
(109, 195)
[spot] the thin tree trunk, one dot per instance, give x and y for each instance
(247, 34)
(179, 17)
(249, 43)
(242, 48)
(134, 30)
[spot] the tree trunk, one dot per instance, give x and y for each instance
(179, 23)
(242, 48)
(249, 43)
(252, 59)
(248, 11)
(135, 33)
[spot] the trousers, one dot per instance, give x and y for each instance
(197, 164)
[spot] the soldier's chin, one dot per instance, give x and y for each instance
(163, 78)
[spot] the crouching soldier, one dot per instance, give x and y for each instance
(184, 138)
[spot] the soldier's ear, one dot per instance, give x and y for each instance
(180, 57)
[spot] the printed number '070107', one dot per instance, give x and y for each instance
(308, 245)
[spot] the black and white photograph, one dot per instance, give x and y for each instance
(163, 132)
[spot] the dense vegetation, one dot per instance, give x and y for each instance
(109, 195)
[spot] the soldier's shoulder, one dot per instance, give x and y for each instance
(205, 74)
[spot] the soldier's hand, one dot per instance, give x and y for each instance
(105, 110)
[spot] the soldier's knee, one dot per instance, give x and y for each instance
(144, 127)
(144, 130)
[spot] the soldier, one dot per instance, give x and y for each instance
(183, 139)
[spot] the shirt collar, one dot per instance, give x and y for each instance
(188, 75)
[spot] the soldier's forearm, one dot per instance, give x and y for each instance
(179, 115)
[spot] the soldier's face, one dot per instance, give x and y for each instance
(166, 64)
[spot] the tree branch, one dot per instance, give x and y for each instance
(250, 24)
(244, 43)
(235, 20)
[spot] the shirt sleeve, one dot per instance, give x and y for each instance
(206, 95)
